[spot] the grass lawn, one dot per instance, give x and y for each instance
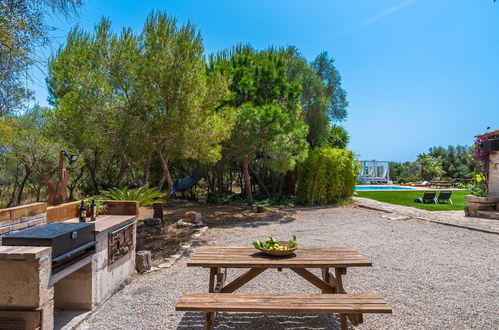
(407, 198)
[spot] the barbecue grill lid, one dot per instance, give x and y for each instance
(52, 230)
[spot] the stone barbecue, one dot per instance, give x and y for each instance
(52, 276)
(70, 242)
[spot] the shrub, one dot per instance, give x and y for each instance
(327, 176)
(145, 195)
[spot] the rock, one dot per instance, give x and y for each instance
(153, 222)
(259, 208)
(184, 224)
(191, 216)
(143, 261)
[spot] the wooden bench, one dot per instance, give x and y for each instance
(351, 305)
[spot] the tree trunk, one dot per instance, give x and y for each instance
(38, 192)
(143, 261)
(247, 181)
(23, 184)
(135, 179)
(273, 180)
(92, 170)
(16, 182)
(147, 166)
(73, 184)
(259, 181)
(166, 171)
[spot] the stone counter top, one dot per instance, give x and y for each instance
(23, 252)
(106, 222)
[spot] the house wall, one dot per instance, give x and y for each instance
(494, 174)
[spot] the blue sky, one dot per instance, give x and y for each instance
(418, 73)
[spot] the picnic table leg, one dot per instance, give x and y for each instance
(210, 320)
(221, 275)
(355, 318)
(343, 322)
(328, 278)
(213, 273)
(210, 316)
(338, 272)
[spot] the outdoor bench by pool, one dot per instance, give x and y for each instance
(332, 300)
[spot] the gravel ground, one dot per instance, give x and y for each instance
(433, 276)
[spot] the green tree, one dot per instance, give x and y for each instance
(180, 96)
(430, 168)
(131, 96)
(456, 162)
(322, 98)
(22, 29)
(324, 66)
(338, 137)
(26, 142)
(268, 125)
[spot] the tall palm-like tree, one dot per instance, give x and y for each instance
(430, 168)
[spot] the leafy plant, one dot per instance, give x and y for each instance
(430, 167)
(327, 176)
(145, 194)
(479, 186)
(99, 204)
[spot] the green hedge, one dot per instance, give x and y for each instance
(327, 176)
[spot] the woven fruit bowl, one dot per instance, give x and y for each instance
(279, 253)
(277, 248)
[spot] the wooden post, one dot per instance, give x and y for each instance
(343, 322)
(158, 211)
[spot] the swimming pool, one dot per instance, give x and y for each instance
(383, 188)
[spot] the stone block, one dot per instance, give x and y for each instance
(191, 216)
(36, 222)
(37, 208)
(10, 222)
(48, 315)
(18, 212)
(20, 283)
(19, 226)
(28, 218)
(4, 214)
(4, 230)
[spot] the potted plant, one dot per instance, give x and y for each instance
(100, 207)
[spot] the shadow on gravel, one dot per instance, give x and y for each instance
(261, 321)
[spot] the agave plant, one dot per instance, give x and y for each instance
(145, 195)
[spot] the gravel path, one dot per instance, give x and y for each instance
(433, 276)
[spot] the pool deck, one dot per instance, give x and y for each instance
(373, 187)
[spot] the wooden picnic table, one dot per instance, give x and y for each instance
(219, 258)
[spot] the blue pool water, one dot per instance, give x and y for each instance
(384, 188)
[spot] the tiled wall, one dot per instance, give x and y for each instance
(15, 219)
